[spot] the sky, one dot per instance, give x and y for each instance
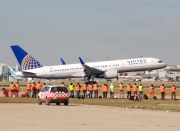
(95, 30)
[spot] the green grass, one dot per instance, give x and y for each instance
(121, 103)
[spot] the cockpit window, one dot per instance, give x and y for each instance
(160, 61)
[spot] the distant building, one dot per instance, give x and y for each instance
(3, 68)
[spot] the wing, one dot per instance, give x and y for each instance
(90, 70)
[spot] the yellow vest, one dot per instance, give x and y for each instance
(71, 87)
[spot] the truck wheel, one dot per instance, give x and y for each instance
(66, 103)
(39, 101)
(57, 103)
(47, 101)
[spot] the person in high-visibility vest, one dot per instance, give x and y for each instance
(95, 87)
(71, 89)
(151, 90)
(129, 91)
(39, 87)
(28, 88)
(111, 90)
(12, 88)
(162, 89)
(90, 89)
(78, 87)
(173, 92)
(17, 89)
(135, 89)
(140, 91)
(33, 89)
(84, 86)
(105, 90)
(121, 90)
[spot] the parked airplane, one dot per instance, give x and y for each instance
(103, 69)
(16, 75)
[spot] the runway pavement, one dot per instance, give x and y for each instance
(28, 117)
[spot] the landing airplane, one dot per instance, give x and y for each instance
(102, 69)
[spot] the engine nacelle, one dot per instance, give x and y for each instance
(109, 74)
(29, 79)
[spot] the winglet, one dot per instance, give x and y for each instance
(81, 61)
(63, 62)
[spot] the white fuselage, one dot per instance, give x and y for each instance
(77, 70)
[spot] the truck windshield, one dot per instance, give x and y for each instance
(59, 89)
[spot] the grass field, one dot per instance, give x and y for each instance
(165, 105)
(149, 104)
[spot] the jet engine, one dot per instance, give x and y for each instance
(108, 74)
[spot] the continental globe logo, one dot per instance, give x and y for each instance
(30, 63)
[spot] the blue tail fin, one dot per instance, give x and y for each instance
(12, 72)
(25, 60)
(63, 62)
